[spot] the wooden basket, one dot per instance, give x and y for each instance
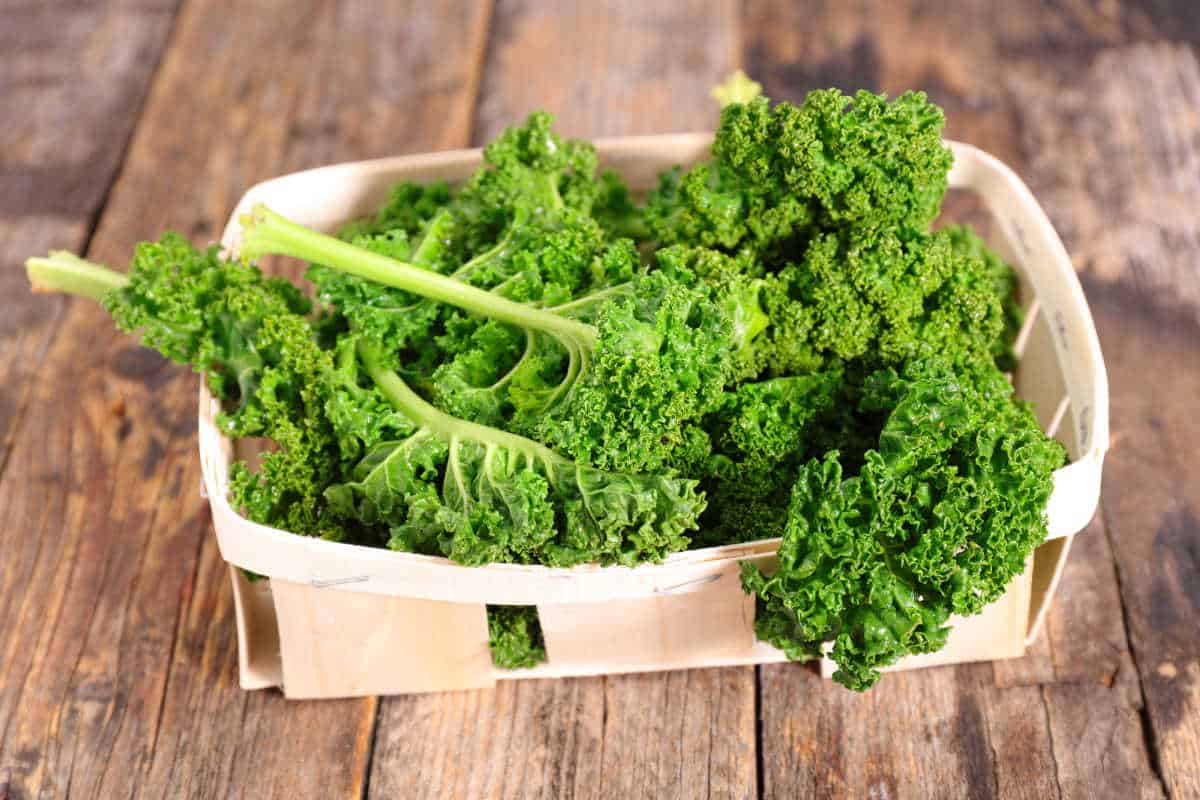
(337, 620)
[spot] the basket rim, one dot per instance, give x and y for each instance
(283, 555)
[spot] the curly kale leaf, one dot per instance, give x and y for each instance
(615, 210)
(398, 320)
(409, 208)
(983, 268)
(941, 517)
(632, 397)
(531, 177)
(635, 381)
(781, 174)
(734, 284)
(885, 297)
(250, 337)
(195, 308)
(515, 637)
(478, 494)
(360, 415)
(761, 436)
(290, 400)
(522, 227)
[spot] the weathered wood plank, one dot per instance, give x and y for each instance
(603, 70)
(1082, 673)
(949, 732)
(608, 69)
(916, 734)
(118, 665)
(72, 80)
(680, 734)
(1113, 157)
(523, 739)
(1151, 509)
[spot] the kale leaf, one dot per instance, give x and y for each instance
(942, 515)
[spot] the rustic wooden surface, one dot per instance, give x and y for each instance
(117, 653)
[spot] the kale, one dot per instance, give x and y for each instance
(533, 368)
(942, 515)
(479, 494)
(627, 387)
(515, 637)
(780, 174)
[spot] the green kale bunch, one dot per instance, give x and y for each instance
(533, 368)
(943, 513)
(781, 173)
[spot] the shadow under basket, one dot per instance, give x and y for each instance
(339, 620)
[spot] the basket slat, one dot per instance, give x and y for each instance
(687, 624)
(346, 644)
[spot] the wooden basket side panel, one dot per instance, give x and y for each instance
(693, 625)
(259, 665)
(1049, 561)
(1039, 377)
(348, 644)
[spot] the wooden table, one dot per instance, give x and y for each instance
(117, 650)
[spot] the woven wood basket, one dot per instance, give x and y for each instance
(338, 620)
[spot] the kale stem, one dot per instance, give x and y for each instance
(268, 233)
(407, 402)
(68, 273)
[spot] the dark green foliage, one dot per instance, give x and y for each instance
(885, 297)
(249, 336)
(479, 495)
(408, 208)
(939, 519)
(515, 637)
(640, 356)
(762, 434)
(631, 401)
(780, 174)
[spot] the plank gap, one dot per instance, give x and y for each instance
(366, 784)
(476, 132)
(758, 734)
(1050, 734)
(1149, 739)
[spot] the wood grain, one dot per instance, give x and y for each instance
(72, 79)
(1153, 524)
(1082, 674)
(1125, 201)
(523, 739)
(607, 69)
(119, 667)
(680, 734)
